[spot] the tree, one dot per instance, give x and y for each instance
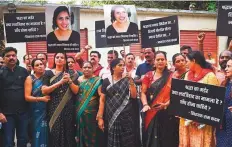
(184, 5)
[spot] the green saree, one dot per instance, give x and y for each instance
(87, 106)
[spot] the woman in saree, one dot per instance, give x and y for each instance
(179, 62)
(119, 115)
(61, 110)
(87, 105)
(160, 127)
(194, 134)
(71, 66)
(38, 102)
(224, 133)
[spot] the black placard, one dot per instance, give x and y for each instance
(100, 34)
(160, 32)
(224, 19)
(196, 101)
(25, 27)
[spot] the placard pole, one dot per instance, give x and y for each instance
(124, 50)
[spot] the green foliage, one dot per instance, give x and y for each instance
(42, 2)
(70, 2)
(212, 6)
(183, 5)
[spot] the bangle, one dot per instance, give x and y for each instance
(132, 84)
(99, 116)
(145, 105)
(70, 82)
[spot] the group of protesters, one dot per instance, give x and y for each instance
(125, 104)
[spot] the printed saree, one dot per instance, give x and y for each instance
(86, 111)
(38, 112)
(62, 133)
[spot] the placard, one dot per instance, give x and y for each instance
(62, 28)
(224, 18)
(198, 102)
(25, 27)
(160, 32)
(121, 24)
(100, 35)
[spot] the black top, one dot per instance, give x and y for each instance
(105, 84)
(132, 31)
(72, 42)
(12, 98)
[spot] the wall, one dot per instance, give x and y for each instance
(188, 20)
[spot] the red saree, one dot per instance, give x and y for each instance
(162, 97)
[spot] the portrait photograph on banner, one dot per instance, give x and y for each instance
(63, 29)
(100, 35)
(121, 24)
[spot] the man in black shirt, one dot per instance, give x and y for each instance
(13, 107)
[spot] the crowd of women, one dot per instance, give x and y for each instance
(70, 108)
(86, 111)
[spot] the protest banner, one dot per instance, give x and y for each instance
(196, 101)
(24, 27)
(224, 19)
(100, 34)
(121, 24)
(62, 29)
(160, 32)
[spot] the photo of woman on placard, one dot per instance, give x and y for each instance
(120, 21)
(120, 24)
(62, 33)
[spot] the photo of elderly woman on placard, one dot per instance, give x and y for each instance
(122, 27)
(62, 38)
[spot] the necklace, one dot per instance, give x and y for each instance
(56, 72)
